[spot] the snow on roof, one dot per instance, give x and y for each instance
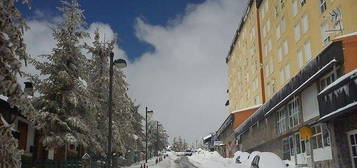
(339, 110)
(3, 97)
(248, 108)
(207, 137)
(345, 36)
(348, 75)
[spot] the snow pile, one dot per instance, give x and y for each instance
(207, 159)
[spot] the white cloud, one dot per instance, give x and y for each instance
(184, 79)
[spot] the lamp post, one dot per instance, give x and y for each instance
(146, 132)
(121, 64)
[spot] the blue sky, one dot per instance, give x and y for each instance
(121, 16)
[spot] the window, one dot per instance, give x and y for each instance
(285, 47)
(297, 32)
(286, 149)
(280, 54)
(323, 6)
(300, 144)
(282, 120)
(267, 70)
(271, 66)
(269, 45)
(266, 6)
(293, 108)
(278, 32)
(282, 76)
(287, 72)
(294, 8)
(328, 79)
(307, 49)
(324, 34)
(283, 25)
(266, 50)
(300, 58)
(352, 136)
(305, 23)
(291, 145)
(256, 85)
(320, 136)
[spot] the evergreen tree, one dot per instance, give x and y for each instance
(64, 102)
(12, 51)
(98, 82)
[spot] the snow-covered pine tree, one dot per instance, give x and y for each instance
(98, 85)
(64, 102)
(122, 113)
(12, 51)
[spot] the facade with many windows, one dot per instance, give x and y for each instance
(304, 49)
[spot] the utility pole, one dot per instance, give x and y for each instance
(146, 134)
(157, 138)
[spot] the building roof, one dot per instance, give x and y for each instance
(342, 37)
(248, 108)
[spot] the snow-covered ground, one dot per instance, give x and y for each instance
(168, 162)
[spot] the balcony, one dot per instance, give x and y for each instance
(339, 97)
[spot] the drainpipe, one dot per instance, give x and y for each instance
(260, 56)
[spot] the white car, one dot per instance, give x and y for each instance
(259, 160)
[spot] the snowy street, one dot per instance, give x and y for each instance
(183, 162)
(172, 161)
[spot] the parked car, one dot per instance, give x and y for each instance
(259, 160)
(188, 153)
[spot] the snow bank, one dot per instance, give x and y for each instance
(205, 159)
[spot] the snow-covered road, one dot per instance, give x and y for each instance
(183, 162)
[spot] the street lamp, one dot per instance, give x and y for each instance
(146, 132)
(121, 64)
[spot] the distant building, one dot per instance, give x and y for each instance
(298, 58)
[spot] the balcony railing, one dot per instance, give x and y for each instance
(339, 97)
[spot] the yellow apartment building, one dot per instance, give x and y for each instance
(276, 39)
(244, 81)
(295, 31)
(284, 55)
